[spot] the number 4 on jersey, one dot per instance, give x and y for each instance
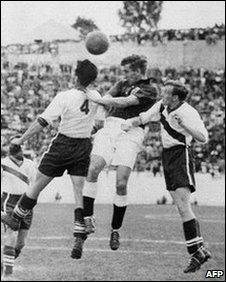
(85, 107)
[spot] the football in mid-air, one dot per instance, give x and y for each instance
(96, 42)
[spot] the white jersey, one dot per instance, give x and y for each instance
(17, 179)
(172, 133)
(76, 111)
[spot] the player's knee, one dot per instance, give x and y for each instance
(182, 209)
(94, 171)
(121, 188)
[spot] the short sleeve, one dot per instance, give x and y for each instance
(55, 108)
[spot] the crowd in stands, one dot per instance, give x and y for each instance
(38, 47)
(27, 90)
(210, 34)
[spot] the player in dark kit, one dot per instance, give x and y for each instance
(69, 150)
(129, 97)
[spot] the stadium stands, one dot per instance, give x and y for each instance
(27, 90)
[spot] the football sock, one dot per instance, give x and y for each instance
(88, 204)
(24, 206)
(8, 259)
(79, 225)
(78, 215)
(89, 195)
(17, 252)
(118, 216)
(192, 235)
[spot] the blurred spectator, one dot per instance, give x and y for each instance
(210, 34)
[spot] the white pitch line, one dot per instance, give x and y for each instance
(150, 216)
(102, 250)
(122, 240)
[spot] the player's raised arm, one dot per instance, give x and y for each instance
(110, 99)
(119, 102)
(151, 115)
(33, 129)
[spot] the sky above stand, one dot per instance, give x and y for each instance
(20, 17)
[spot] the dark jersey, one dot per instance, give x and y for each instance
(147, 96)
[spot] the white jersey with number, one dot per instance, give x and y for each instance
(17, 179)
(76, 111)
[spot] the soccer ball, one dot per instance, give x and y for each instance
(96, 43)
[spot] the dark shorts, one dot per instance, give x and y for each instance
(66, 153)
(178, 167)
(8, 203)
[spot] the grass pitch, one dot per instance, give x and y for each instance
(152, 246)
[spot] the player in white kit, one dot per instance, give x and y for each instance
(180, 123)
(69, 150)
(17, 176)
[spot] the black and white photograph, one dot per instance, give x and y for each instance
(112, 140)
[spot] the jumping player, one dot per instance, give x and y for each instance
(180, 123)
(17, 175)
(112, 146)
(69, 150)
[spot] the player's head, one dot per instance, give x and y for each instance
(16, 150)
(174, 91)
(134, 67)
(86, 72)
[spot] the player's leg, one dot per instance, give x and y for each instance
(101, 156)
(179, 176)
(20, 242)
(51, 165)
(97, 164)
(8, 257)
(191, 227)
(119, 204)
(79, 231)
(127, 147)
(23, 232)
(27, 202)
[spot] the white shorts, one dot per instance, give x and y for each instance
(116, 146)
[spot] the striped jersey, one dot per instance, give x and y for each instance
(17, 179)
(171, 132)
(75, 110)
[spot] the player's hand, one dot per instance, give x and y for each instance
(135, 90)
(16, 141)
(178, 119)
(126, 125)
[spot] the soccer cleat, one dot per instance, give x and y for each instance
(76, 252)
(90, 224)
(114, 240)
(195, 262)
(207, 254)
(10, 221)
